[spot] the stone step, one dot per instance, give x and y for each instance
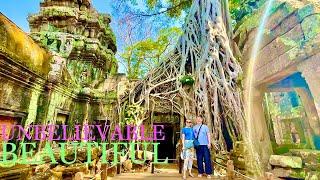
(286, 161)
(288, 173)
(307, 155)
(15, 173)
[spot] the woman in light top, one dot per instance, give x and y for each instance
(187, 137)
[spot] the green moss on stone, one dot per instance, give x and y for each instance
(311, 26)
(59, 11)
(111, 95)
(33, 106)
(18, 46)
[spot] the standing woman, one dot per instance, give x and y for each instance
(187, 137)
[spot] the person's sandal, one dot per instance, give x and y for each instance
(184, 177)
(209, 176)
(191, 175)
(199, 175)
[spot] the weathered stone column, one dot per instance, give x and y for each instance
(310, 70)
(311, 111)
(260, 134)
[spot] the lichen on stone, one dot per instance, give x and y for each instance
(59, 11)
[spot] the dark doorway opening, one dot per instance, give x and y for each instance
(166, 148)
(8, 122)
(61, 119)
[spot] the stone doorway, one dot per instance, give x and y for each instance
(291, 115)
(287, 121)
(167, 147)
(61, 119)
(8, 122)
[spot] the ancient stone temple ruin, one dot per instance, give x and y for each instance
(83, 48)
(64, 73)
(285, 125)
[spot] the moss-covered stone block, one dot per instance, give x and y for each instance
(307, 155)
(289, 173)
(286, 161)
(18, 46)
(311, 26)
(59, 11)
(313, 175)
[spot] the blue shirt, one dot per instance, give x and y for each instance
(188, 133)
(203, 137)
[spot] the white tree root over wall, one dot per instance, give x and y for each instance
(203, 51)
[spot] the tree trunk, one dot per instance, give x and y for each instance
(204, 46)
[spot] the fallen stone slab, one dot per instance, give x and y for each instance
(41, 175)
(16, 172)
(312, 166)
(307, 155)
(111, 171)
(42, 168)
(289, 173)
(314, 175)
(127, 165)
(47, 175)
(285, 161)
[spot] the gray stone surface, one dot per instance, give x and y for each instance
(289, 173)
(286, 161)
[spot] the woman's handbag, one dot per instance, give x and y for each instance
(196, 141)
(188, 144)
(183, 154)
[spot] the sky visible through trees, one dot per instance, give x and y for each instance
(122, 13)
(137, 25)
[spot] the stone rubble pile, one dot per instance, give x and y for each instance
(296, 164)
(78, 169)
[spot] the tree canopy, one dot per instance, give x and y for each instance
(143, 55)
(148, 27)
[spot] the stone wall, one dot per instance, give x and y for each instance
(36, 85)
(290, 44)
(24, 67)
(290, 37)
(18, 46)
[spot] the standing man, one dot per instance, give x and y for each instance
(202, 133)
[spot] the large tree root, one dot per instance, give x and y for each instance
(204, 52)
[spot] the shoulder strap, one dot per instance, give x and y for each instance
(199, 132)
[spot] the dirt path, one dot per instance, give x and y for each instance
(160, 174)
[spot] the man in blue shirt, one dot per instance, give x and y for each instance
(202, 133)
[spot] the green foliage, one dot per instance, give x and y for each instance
(174, 8)
(111, 95)
(187, 80)
(133, 114)
(152, 3)
(107, 29)
(238, 8)
(114, 66)
(241, 8)
(285, 148)
(146, 54)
